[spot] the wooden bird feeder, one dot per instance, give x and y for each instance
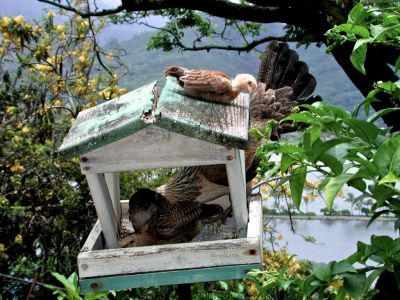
(139, 130)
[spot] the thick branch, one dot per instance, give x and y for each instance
(376, 70)
(268, 12)
(246, 48)
(218, 8)
(85, 14)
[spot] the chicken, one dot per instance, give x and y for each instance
(179, 223)
(283, 83)
(212, 85)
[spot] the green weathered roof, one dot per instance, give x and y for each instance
(217, 123)
(118, 118)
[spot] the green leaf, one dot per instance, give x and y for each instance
(303, 117)
(308, 286)
(351, 29)
(382, 242)
(288, 149)
(71, 289)
(357, 14)
(389, 178)
(333, 187)
(378, 31)
(386, 155)
(321, 148)
(354, 284)
(332, 162)
(342, 267)
(381, 113)
(314, 109)
(337, 112)
(371, 278)
(321, 271)
(357, 183)
(223, 285)
(382, 192)
(397, 65)
(368, 132)
(353, 258)
(358, 56)
(286, 162)
(376, 215)
(296, 182)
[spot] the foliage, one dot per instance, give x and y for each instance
(336, 280)
(345, 149)
(71, 289)
(50, 71)
(368, 24)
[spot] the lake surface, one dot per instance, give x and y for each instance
(336, 239)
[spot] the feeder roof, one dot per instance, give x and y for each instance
(128, 114)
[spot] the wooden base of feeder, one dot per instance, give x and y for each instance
(112, 269)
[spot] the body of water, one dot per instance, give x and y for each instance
(335, 239)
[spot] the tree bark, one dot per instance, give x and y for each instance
(377, 69)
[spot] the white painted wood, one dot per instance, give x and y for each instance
(237, 188)
(153, 147)
(94, 240)
(105, 212)
(92, 263)
(112, 180)
(168, 257)
(255, 227)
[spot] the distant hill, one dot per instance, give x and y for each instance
(333, 85)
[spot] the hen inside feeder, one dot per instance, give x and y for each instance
(140, 130)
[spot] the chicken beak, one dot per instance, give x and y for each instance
(250, 89)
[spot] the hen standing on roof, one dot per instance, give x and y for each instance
(212, 85)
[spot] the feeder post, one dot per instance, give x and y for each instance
(102, 202)
(235, 169)
(112, 180)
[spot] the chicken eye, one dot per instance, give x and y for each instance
(249, 82)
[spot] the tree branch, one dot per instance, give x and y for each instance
(85, 14)
(267, 12)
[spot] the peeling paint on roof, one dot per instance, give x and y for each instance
(118, 118)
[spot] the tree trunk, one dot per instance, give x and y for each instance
(377, 69)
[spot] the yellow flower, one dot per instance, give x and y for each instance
(4, 201)
(337, 283)
(109, 56)
(18, 239)
(19, 19)
(51, 14)
(25, 130)
(16, 167)
(2, 50)
(122, 91)
(82, 58)
(60, 28)
(280, 237)
(57, 102)
(10, 110)
(5, 21)
(45, 68)
(49, 142)
(16, 138)
(2, 247)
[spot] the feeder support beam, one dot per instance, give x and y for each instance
(237, 189)
(102, 202)
(112, 180)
